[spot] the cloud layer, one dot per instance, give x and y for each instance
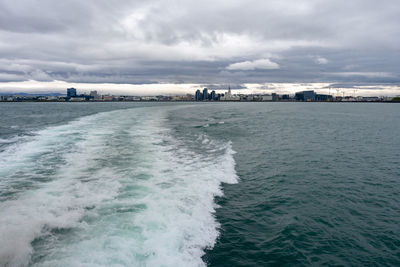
(261, 64)
(154, 41)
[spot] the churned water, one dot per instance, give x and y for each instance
(218, 184)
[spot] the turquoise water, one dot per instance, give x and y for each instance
(218, 184)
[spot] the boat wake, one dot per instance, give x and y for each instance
(115, 188)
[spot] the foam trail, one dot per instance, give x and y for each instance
(124, 192)
(57, 204)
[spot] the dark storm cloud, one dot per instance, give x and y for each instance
(200, 41)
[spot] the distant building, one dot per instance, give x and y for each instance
(198, 96)
(213, 95)
(52, 98)
(108, 98)
(71, 92)
(188, 97)
(266, 98)
(305, 96)
(205, 94)
(229, 97)
(325, 98)
(370, 98)
(150, 98)
(338, 98)
(94, 95)
(77, 99)
(247, 97)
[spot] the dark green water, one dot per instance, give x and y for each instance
(309, 184)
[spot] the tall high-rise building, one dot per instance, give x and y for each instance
(212, 95)
(205, 94)
(71, 92)
(198, 96)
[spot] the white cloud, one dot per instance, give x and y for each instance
(264, 64)
(179, 89)
(364, 74)
(350, 67)
(321, 60)
(103, 88)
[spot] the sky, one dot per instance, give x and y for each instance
(174, 47)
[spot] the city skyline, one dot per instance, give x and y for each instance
(141, 48)
(204, 95)
(182, 89)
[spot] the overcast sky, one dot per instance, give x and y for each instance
(133, 46)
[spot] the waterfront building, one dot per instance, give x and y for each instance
(150, 98)
(205, 94)
(325, 98)
(266, 98)
(305, 96)
(77, 99)
(180, 98)
(229, 97)
(189, 97)
(71, 92)
(312, 96)
(52, 98)
(213, 95)
(108, 98)
(94, 95)
(246, 97)
(198, 96)
(370, 98)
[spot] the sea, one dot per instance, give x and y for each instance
(199, 184)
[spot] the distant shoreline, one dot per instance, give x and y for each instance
(188, 101)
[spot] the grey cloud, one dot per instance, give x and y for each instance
(223, 86)
(194, 42)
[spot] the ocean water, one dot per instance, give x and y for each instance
(199, 184)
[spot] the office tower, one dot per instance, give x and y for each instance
(212, 95)
(198, 96)
(71, 92)
(205, 94)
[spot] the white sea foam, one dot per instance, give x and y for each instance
(9, 140)
(131, 192)
(57, 204)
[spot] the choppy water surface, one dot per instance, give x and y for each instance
(219, 184)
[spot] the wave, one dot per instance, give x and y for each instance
(120, 189)
(9, 140)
